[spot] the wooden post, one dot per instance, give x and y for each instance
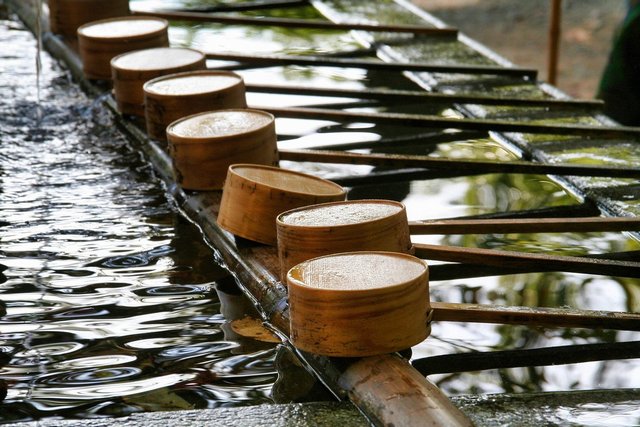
(554, 41)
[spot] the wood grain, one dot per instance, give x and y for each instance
(97, 52)
(249, 208)
(201, 163)
(65, 16)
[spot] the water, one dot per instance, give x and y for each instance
(114, 303)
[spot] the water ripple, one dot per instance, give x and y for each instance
(107, 290)
(94, 376)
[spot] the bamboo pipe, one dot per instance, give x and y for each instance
(548, 317)
(558, 355)
(525, 260)
(298, 23)
(461, 167)
(410, 398)
(430, 121)
(271, 60)
(524, 225)
(418, 96)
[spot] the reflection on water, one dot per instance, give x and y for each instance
(489, 193)
(113, 301)
(220, 38)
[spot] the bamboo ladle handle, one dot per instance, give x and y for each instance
(524, 225)
(514, 259)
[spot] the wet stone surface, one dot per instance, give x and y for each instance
(294, 415)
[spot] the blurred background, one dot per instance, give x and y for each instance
(519, 31)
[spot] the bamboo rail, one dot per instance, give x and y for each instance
(429, 121)
(298, 23)
(407, 96)
(461, 167)
(270, 60)
(410, 398)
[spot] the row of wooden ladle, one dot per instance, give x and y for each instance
(354, 288)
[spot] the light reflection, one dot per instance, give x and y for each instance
(600, 414)
(319, 140)
(264, 100)
(94, 362)
(50, 349)
(344, 78)
(300, 126)
(105, 391)
(154, 343)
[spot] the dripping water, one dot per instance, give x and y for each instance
(38, 57)
(41, 365)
